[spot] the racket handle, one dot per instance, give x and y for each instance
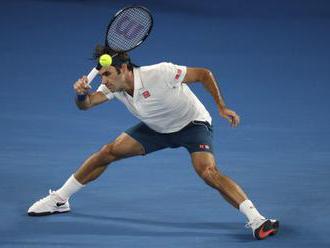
(93, 73)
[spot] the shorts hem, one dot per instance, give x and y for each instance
(144, 149)
(191, 152)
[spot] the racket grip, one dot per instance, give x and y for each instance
(93, 73)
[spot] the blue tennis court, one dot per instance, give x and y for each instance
(271, 59)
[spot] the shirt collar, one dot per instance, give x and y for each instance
(137, 79)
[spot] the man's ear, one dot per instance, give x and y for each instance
(124, 68)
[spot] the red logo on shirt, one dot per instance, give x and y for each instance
(204, 146)
(178, 74)
(146, 94)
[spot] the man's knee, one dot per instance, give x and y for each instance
(108, 153)
(210, 174)
(204, 168)
(210, 171)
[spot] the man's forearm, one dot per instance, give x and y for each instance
(211, 85)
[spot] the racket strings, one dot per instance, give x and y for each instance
(129, 29)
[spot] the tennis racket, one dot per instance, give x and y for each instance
(128, 28)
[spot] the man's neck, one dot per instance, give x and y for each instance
(130, 85)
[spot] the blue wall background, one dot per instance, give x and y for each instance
(271, 59)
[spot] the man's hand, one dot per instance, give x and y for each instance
(81, 87)
(230, 115)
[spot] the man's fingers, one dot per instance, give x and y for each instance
(87, 87)
(81, 86)
(236, 121)
(84, 79)
(233, 119)
(231, 116)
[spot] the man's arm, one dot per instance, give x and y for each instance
(85, 100)
(206, 77)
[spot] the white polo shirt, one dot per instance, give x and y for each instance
(160, 99)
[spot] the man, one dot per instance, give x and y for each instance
(171, 116)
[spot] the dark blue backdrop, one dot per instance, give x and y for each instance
(272, 61)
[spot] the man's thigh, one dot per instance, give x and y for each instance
(125, 146)
(149, 139)
(195, 137)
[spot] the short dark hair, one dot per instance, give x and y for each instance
(117, 61)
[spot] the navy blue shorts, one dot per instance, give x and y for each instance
(197, 136)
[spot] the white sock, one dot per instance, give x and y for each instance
(249, 210)
(70, 187)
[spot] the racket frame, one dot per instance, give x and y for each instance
(93, 73)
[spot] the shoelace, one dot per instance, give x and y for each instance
(248, 225)
(51, 193)
(251, 223)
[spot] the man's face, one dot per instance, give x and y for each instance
(113, 80)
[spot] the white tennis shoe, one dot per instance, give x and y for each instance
(51, 204)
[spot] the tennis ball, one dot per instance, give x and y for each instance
(105, 60)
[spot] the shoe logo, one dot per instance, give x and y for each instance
(263, 234)
(59, 204)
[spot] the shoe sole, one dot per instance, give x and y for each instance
(47, 213)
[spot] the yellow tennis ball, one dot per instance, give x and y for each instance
(105, 60)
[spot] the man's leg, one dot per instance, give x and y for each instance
(124, 146)
(205, 166)
(57, 202)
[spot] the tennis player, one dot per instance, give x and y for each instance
(171, 116)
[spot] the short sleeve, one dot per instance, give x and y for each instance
(102, 88)
(173, 74)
